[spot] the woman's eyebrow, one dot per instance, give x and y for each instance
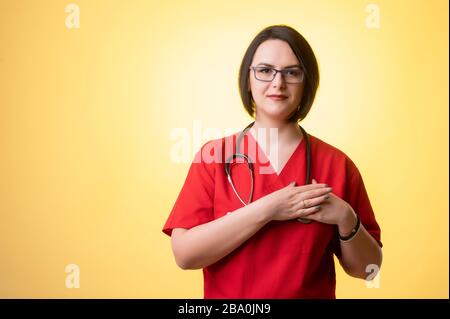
(286, 67)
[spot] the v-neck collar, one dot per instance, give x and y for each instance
(260, 152)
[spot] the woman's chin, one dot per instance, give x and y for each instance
(275, 112)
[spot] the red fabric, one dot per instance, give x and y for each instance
(283, 259)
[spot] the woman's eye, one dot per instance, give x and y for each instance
(264, 70)
(292, 72)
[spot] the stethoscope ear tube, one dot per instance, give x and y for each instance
(308, 157)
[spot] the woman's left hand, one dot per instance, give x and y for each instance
(335, 211)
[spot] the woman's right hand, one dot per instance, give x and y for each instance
(293, 202)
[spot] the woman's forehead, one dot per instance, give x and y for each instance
(275, 52)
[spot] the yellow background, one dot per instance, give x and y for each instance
(86, 117)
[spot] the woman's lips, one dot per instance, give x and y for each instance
(277, 97)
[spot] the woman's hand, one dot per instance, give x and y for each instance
(293, 202)
(335, 211)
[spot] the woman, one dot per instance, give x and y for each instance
(268, 232)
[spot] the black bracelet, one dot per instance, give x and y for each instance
(353, 232)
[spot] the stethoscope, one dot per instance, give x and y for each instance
(237, 154)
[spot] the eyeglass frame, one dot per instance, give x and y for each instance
(276, 72)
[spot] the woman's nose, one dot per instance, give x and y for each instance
(278, 80)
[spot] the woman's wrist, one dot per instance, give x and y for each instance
(264, 207)
(348, 223)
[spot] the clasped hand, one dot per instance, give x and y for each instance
(314, 201)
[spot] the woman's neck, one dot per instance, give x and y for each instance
(284, 132)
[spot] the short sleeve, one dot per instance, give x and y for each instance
(195, 202)
(356, 195)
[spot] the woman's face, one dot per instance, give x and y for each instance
(279, 55)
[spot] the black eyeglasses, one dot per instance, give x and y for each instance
(267, 74)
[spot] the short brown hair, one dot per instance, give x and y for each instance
(305, 55)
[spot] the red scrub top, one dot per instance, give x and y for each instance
(284, 259)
